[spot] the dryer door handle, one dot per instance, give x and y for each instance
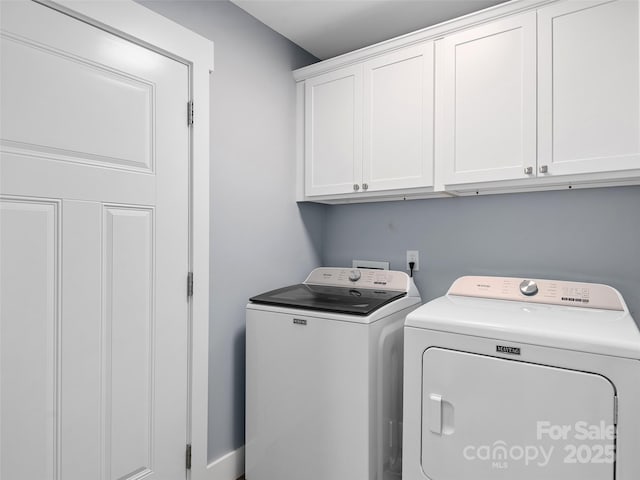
(435, 413)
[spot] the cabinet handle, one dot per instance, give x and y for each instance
(528, 170)
(356, 187)
(543, 169)
(365, 186)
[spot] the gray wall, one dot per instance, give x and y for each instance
(260, 238)
(582, 235)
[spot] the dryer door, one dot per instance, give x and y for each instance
(487, 418)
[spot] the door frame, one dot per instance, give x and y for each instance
(136, 23)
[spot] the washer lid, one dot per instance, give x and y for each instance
(587, 329)
(353, 301)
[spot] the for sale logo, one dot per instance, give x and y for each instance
(499, 453)
(578, 443)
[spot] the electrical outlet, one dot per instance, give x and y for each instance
(413, 256)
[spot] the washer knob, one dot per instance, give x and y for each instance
(528, 288)
(354, 275)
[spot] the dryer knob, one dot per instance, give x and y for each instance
(528, 288)
(354, 275)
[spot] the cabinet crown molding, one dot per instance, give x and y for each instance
(429, 33)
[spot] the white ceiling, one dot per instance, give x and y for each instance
(327, 28)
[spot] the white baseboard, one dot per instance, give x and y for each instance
(227, 467)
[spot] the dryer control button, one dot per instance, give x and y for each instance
(528, 288)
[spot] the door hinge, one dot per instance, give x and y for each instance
(190, 113)
(189, 284)
(188, 457)
(615, 410)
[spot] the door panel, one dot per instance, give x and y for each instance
(82, 91)
(477, 409)
(128, 299)
(93, 288)
(487, 109)
(28, 344)
(398, 112)
(333, 132)
(589, 85)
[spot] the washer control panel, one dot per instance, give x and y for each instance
(553, 292)
(355, 275)
(359, 277)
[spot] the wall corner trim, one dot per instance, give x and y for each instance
(227, 467)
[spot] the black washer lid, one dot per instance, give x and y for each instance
(352, 301)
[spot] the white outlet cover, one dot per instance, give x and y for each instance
(415, 256)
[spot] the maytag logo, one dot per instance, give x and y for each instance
(299, 321)
(509, 350)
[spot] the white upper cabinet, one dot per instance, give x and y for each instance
(398, 114)
(589, 87)
(527, 95)
(369, 127)
(333, 132)
(486, 101)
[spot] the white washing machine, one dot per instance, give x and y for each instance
(324, 377)
(518, 379)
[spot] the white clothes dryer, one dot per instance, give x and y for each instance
(324, 376)
(516, 379)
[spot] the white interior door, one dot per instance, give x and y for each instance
(93, 251)
(488, 418)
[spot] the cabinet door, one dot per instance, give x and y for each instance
(398, 120)
(333, 132)
(589, 117)
(486, 101)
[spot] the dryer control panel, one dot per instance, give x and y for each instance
(553, 292)
(359, 277)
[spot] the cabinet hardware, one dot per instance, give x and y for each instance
(543, 169)
(365, 186)
(356, 187)
(528, 170)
